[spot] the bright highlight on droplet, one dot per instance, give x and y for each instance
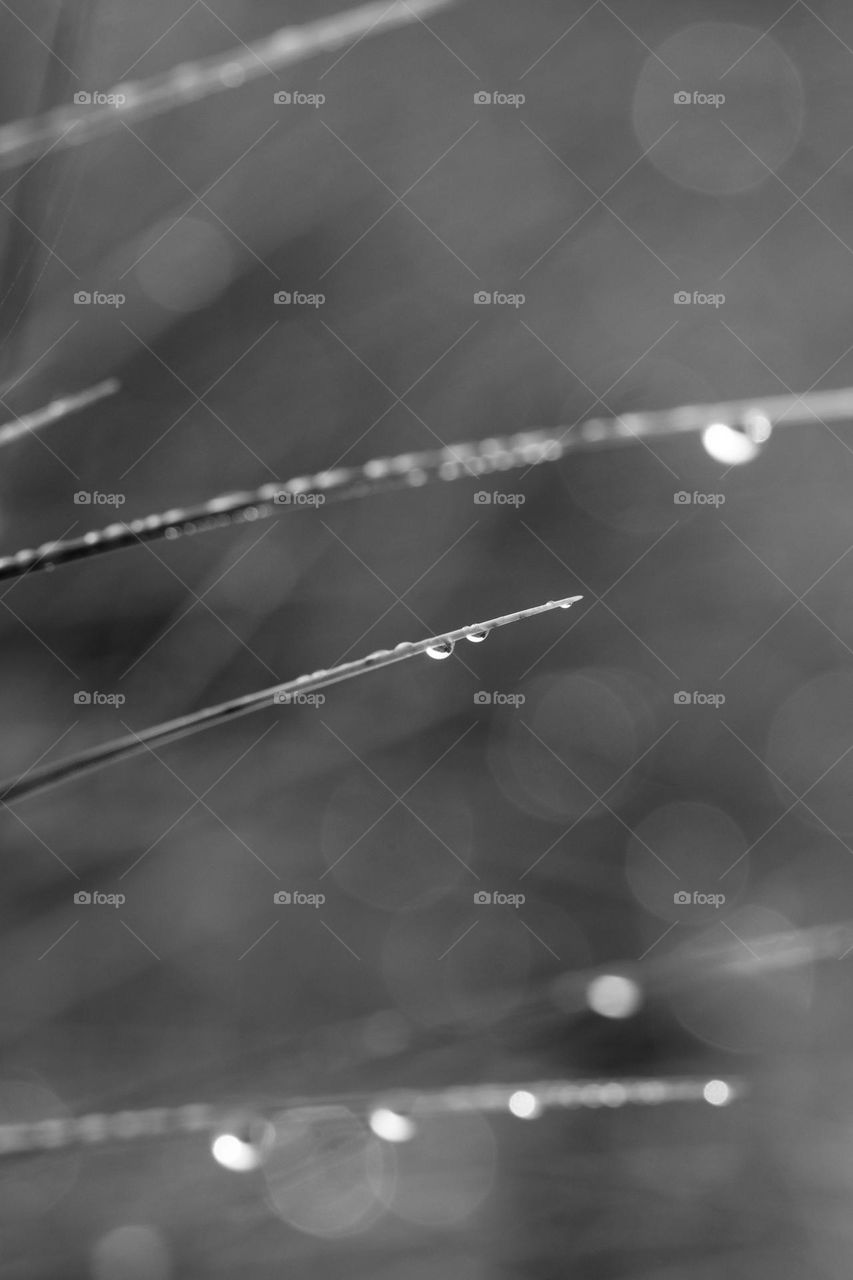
(717, 1092)
(525, 1105)
(442, 650)
(234, 1154)
(730, 447)
(391, 1126)
(613, 996)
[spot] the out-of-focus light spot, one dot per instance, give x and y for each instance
(189, 263)
(613, 996)
(727, 445)
(589, 725)
(717, 1092)
(131, 1253)
(525, 1105)
(738, 97)
(734, 995)
(808, 743)
(445, 1176)
(685, 861)
(329, 1178)
(391, 1126)
(232, 1153)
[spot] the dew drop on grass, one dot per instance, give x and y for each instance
(477, 637)
(442, 650)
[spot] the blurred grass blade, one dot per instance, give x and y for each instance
(24, 140)
(62, 407)
(468, 460)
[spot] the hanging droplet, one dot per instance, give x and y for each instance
(442, 650)
(477, 637)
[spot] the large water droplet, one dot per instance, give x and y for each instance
(442, 650)
(477, 637)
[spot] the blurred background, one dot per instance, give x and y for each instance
(665, 773)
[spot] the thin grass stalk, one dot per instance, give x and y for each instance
(38, 780)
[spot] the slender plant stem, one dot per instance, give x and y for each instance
(69, 126)
(467, 460)
(61, 407)
(157, 1122)
(290, 691)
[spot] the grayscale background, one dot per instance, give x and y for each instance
(601, 796)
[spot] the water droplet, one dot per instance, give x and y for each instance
(477, 637)
(442, 650)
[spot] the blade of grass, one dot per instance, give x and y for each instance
(467, 460)
(24, 140)
(38, 780)
(48, 1135)
(62, 407)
